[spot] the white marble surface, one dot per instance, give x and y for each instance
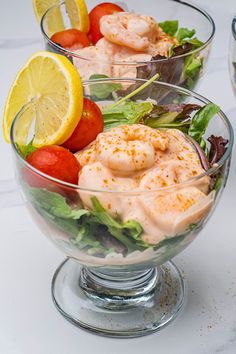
(29, 323)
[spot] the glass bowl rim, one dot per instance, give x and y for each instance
(75, 55)
(193, 94)
(233, 26)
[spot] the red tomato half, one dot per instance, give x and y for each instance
(56, 162)
(71, 39)
(89, 126)
(105, 8)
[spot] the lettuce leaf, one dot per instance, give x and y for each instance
(192, 66)
(128, 113)
(171, 116)
(103, 91)
(124, 232)
(184, 33)
(26, 150)
(218, 148)
(169, 27)
(200, 122)
(196, 43)
(55, 204)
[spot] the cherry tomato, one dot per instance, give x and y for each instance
(105, 8)
(89, 126)
(71, 39)
(56, 162)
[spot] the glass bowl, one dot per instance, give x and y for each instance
(117, 279)
(232, 55)
(182, 70)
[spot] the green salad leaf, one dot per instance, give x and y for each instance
(196, 43)
(69, 226)
(184, 70)
(26, 150)
(123, 232)
(217, 183)
(191, 69)
(175, 124)
(124, 111)
(128, 113)
(184, 33)
(58, 212)
(200, 122)
(103, 91)
(86, 240)
(192, 66)
(169, 27)
(164, 119)
(175, 116)
(55, 204)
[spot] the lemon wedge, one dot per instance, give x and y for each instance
(53, 87)
(54, 18)
(78, 14)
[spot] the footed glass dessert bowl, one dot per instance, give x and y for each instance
(146, 189)
(178, 52)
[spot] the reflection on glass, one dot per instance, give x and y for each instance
(232, 55)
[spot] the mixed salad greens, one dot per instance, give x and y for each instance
(182, 71)
(182, 34)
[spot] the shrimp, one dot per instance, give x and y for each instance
(127, 149)
(122, 54)
(180, 149)
(173, 172)
(92, 60)
(167, 212)
(112, 50)
(129, 29)
(102, 57)
(173, 212)
(127, 70)
(101, 178)
(180, 162)
(138, 32)
(162, 43)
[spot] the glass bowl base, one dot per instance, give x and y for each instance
(116, 304)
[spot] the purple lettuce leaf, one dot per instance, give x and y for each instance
(217, 149)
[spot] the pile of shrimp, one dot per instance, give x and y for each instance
(160, 166)
(128, 37)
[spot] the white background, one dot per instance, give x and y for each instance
(29, 323)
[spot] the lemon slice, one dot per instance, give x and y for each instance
(53, 86)
(78, 14)
(54, 18)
